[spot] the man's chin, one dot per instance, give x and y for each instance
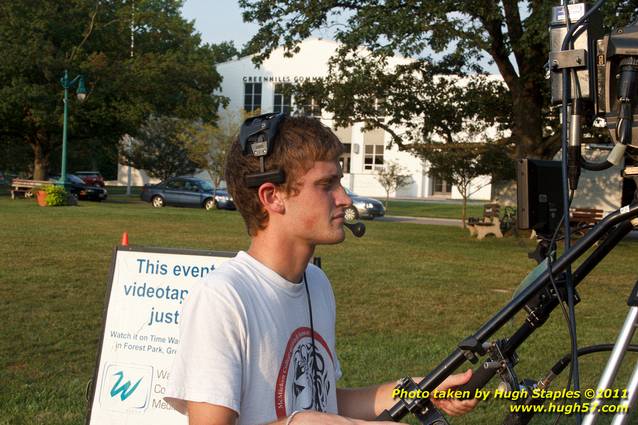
(333, 239)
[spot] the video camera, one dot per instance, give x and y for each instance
(596, 76)
(604, 70)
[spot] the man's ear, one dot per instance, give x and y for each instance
(271, 198)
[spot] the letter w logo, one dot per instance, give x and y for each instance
(123, 390)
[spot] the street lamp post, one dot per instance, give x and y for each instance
(81, 93)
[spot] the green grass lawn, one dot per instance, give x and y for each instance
(432, 209)
(406, 295)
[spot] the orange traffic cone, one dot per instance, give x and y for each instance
(124, 239)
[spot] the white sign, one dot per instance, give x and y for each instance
(141, 333)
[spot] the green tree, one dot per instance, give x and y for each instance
(160, 149)
(512, 34)
(462, 163)
(168, 72)
(392, 177)
(209, 144)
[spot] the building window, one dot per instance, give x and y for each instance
(344, 159)
(283, 98)
(373, 157)
(252, 96)
(440, 186)
(313, 109)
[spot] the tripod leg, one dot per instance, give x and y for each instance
(629, 403)
(613, 364)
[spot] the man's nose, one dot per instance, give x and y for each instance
(343, 198)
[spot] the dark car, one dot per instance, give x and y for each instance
(81, 190)
(367, 207)
(92, 178)
(187, 192)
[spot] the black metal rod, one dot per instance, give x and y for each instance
(457, 358)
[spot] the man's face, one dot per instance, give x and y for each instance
(316, 213)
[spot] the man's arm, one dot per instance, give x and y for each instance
(210, 414)
(369, 402)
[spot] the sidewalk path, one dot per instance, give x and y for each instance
(422, 220)
(632, 235)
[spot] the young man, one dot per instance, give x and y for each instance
(258, 337)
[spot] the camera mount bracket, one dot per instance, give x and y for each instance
(568, 59)
(422, 408)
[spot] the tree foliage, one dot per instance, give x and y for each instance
(445, 37)
(462, 163)
(160, 148)
(208, 145)
(168, 72)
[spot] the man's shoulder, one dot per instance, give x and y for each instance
(317, 275)
(230, 276)
(315, 271)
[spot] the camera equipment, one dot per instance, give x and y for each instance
(617, 63)
(540, 195)
(256, 137)
(614, 60)
(582, 86)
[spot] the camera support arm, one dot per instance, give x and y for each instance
(616, 225)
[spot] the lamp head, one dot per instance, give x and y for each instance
(81, 91)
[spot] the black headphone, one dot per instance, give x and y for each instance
(256, 137)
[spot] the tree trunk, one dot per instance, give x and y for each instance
(40, 160)
(464, 209)
(527, 122)
(387, 200)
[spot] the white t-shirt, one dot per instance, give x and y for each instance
(245, 343)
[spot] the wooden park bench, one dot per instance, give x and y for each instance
(582, 219)
(490, 223)
(25, 187)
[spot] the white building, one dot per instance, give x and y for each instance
(250, 88)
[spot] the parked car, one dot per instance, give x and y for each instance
(81, 190)
(92, 178)
(187, 192)
(367, 207)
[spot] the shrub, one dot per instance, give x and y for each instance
(56, 195)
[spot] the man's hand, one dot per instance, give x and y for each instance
(454, 406)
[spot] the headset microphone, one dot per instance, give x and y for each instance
(351, 216)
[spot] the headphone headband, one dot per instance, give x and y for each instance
(256, 138)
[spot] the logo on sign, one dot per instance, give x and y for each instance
(126, 387)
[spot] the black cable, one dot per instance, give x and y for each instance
(560, 365)
(312, 337)
(566, 315)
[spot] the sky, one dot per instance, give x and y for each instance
(219, 20)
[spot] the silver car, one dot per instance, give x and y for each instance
(367, 207)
